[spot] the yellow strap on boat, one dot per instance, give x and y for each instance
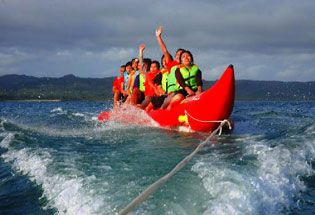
(182, 119)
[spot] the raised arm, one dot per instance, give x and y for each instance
(142, 70)
(161, 43)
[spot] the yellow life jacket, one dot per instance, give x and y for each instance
(141, 83)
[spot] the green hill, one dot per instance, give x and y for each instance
(67, 87)
(70, 87)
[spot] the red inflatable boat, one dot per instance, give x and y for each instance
(199, 113)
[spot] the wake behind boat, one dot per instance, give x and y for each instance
(201, 113)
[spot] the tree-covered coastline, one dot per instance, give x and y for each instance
(70, 87)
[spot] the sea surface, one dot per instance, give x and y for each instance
(55, 158)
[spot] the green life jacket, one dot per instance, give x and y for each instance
(172, 84)
(189, 76)
(164, 73)
(141, 83)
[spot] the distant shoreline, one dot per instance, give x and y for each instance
(32, 100)
(71, 88)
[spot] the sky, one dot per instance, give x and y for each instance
(263, 39)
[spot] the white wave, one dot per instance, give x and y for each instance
(311, 129)
(266, 186)
(184, 129)
(130, 115)
(3, 132)
(94, 118)
(2, 121)
(85, 115)
(68, 194)
(8, 138)
(78, 114)
(94, 132)
(229, 191)
(58, 111)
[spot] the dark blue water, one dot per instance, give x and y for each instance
(55, 158)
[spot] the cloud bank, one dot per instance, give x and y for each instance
(265, 40)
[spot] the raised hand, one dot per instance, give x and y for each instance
(159, 31)
(141, 47)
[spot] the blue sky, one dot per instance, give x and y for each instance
(265, 40)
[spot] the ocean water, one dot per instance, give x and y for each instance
(55, 158)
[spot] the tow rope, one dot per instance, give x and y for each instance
(208, 121)
(153, 187)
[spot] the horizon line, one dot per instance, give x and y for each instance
(117, 76)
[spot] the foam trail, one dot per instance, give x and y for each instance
(58, 110)
(2, 124)
(65, 193)
(93, 131)
(8, 138)
(78, 114)
(129, 114)
(267, 187)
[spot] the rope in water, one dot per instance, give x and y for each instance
(153, 187)
(208, 121)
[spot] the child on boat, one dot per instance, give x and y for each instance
(138, 92)
(118, 87)
(127, 75)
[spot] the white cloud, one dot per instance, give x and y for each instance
(117, 54)
(13, 56)
(275, 42)
(64, 53)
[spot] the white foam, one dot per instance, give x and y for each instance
(184, 129)
(131, 115)
(267, 187)
(66, 193)
(311, 129)
(2, 124)
(78, 114)
(86, 116)
(58, 111)
(8, 138)
(88, 132)
(94, 118)
(228, 190)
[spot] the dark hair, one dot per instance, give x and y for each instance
(122, 66)
(157, 63)
(129, 64)
(163, 56)
(133, 59)
(180, 49)
(147, 61)
(188, 52)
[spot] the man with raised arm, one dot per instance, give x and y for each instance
(171, 66)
